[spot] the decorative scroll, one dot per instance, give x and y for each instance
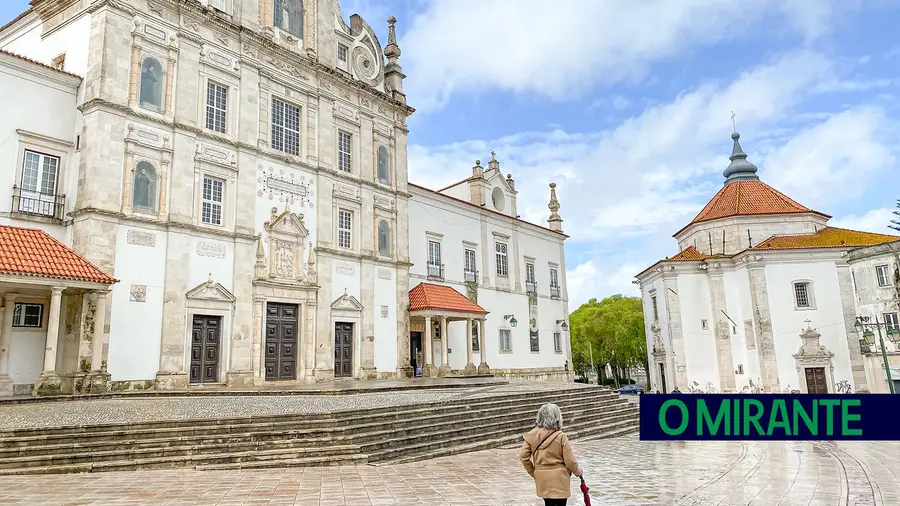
(285, 187)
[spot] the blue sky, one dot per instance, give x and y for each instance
(626, 105)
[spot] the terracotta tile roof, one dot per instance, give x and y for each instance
(689, 254)
(828, 237)
(748, 198)
(520, 220)
(32, 252)
(443, 298)
(29, 60)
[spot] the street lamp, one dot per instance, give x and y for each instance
(564, 326)
(512, 320)
(863, 327)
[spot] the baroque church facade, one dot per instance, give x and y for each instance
(235, 173)
(764, 295)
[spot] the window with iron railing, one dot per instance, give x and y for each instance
(530, 283)
(38, 204)
(554, 283)
(435, 267)
(471, 273)
(471, 276)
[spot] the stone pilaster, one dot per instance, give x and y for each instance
(848, 310)
(172, 372)
(367, 332)
(762, 321)
(309, 353)
(48, 383)
(676, 333)
(6, 384)
(256, 340)
(404, 369)
(723, 326)
(240, 367)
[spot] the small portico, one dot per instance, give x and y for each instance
(432, 308)
(52, 325)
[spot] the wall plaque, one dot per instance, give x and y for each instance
(139, 238)
(210, 249)
(384, 274)
(345, 268)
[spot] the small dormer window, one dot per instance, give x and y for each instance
(342, 53)
(498, 199)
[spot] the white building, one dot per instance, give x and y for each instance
(755, 269)
(239, 168)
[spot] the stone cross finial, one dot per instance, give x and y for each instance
(209, 282)
(555, 219)
(392, 50)
(733, 124)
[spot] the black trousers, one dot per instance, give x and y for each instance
(555, 502)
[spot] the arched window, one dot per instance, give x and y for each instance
(384, 238)
(289, 16)
(383, 165)
(143, 192)
(152, 79)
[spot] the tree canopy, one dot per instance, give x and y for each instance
(615, 328)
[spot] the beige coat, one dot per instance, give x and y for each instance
(552, 464)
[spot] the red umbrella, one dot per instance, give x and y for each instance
(585, 490)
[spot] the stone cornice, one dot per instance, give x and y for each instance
(358, 256)
(169, 225)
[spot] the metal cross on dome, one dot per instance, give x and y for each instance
(733, 124)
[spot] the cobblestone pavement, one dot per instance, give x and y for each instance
(621, 472)
(101, 411)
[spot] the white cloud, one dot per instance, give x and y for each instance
(523, 46)
(876, 220)
(588, 280)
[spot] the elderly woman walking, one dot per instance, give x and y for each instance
(547, 456)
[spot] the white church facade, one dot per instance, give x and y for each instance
(232, 174)
(761, 297)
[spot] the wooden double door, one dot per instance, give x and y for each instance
(206, 337)
(343, 350)
(816, 382)
(281, 341)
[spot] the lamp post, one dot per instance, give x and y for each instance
(864, 328)
(511, 319)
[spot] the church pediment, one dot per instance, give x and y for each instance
(347, 303)
(210, 290)
(287, 223)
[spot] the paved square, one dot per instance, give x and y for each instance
(621, 471)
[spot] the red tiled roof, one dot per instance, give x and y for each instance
(748, 198)
(442, 298)
(32, 252)
(520, 220)
(689, 254)
(29, 60)
(828, 237)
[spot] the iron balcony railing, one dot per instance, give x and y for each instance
(38, 204)
(530, 287)
(471, 276)
(435, 271)
(554, 291)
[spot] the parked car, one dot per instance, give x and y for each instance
(629, 390)
(580, 379)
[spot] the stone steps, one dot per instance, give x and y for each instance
(393, 434)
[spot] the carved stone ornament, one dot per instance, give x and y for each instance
(211, 249)
(345, 268)
(384, 311)
(287, 237)
(138, 293)
(214, 154)
(284, 186)
(210, 290)
(384, 274)
(346, 191)
(347, 302)
(140, 238)
(382, 201)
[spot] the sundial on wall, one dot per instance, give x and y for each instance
(284, 186)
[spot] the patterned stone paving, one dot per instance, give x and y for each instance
(141, 409)
(622, 472)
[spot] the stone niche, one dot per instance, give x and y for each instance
(290, 256)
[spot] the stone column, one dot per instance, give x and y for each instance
(848, 309)
(48, 382)
(134, 80)
(470, 369)
(6, 384)
(722, 336)
(673, 311)
(762, 321)
(127, 178)
(483, 368)
(445, 356)
(99, 379)
(428, 370)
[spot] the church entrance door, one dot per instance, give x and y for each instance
(815, 380)
(281, 341)
(343, 350)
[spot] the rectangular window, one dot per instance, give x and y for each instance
(505, 341)
(39, 173)
(535, 345)
(530, 285)
(502, 260)
(434, 259)
(345, 228)
(59, 63)
(213, 196)
(285, 127)
(344, 143)
(554, 283)
(891, 321)
(881, 275)
(28, 315)
(801, 294)
(342, 53)
(216, 104)
(557, 342)
(655, 308)
(470, 271)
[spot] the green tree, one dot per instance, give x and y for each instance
(614, 327)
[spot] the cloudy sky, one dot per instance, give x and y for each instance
(627, 106)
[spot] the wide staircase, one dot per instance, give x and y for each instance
(375, 436)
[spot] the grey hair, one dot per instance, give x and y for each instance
(549, 417)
